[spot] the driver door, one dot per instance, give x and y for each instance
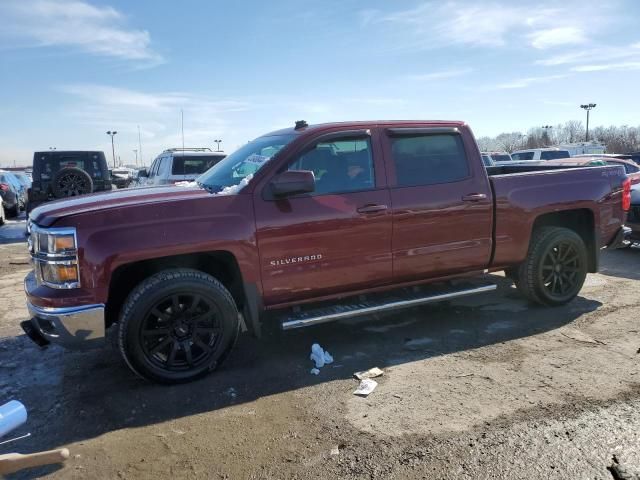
(334, 240)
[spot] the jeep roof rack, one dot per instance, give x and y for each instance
(188, 149)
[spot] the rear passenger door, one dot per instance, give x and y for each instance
(442, 203)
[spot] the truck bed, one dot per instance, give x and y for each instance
(523, 193)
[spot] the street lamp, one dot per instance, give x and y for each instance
(218, 142)
(588, 107)
(136, 152)
(113, 149)
(545, 134)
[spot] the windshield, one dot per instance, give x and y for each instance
(500, 157)
(242, 163)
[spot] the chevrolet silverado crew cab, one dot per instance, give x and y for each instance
(307, 225)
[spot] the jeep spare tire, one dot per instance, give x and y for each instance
(71, 182)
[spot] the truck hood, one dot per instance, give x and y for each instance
(48, 213)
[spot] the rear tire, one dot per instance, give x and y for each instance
(177, 325)
(555, 268)
(13, 211)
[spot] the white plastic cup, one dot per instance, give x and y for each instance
(12, 415)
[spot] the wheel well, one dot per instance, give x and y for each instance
(219, 264)
(580, 221)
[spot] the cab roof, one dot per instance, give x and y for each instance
(319, 127)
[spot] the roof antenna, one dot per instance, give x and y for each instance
(300, 124)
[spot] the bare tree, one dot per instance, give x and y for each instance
(617, 139)
(510, 141)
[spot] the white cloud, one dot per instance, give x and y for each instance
(553, 37)
(440, 75)
(621, 66)
(592, 55)
(435, 24)
(526, 82)
(75, 24)
(489, 24)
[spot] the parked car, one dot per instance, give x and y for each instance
(61, 174)
(24, 179)
(306, 225)
(497, 157)
(487, 160)
(631, 168)
(121, 177)
(10, 197)
(633, 220)
(19, 187)
(181, 165)
(539, 154)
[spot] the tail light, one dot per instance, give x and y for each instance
(4, 187)
(626, 194)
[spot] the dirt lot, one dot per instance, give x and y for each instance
(488, 387)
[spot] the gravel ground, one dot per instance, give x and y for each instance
(485, 387)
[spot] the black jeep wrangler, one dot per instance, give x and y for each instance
(57, 174)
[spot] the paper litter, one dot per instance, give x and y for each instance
(366, 387)
(371, 373)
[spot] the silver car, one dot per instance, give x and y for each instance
(181, 165)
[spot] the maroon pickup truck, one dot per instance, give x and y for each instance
(307, 225)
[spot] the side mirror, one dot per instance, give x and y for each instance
(143, 173)
(292, 182)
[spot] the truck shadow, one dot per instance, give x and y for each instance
(94, 393)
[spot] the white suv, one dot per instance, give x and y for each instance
(539, 154)
(181, 165)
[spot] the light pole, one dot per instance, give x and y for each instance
(113, 149)
(218, 142)
(136, 152)
(545, 134)
(588, 107)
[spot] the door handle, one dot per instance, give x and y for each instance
(372, 208)
(473, 197)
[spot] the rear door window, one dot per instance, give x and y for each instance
(429, 159)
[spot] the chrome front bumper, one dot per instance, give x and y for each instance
(73, 327)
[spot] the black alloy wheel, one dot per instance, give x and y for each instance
(177, 325)
(561, 269)
(555, 268)
(181, 331)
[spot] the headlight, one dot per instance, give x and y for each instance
(55, 256)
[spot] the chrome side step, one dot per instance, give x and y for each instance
(323, 315)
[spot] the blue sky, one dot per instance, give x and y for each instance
(71, 70)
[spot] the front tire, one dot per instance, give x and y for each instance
(177, 325)
(555, 268)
